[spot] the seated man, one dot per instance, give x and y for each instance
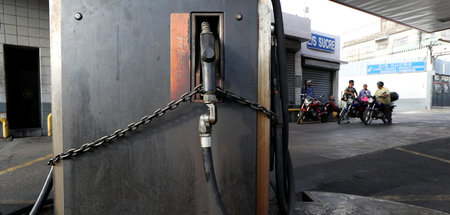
(383, 95)
(350, 92)
(308, 90)
(364, 92)
(334, 107)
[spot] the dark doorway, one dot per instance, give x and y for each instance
(22, 86)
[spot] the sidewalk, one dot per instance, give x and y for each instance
(23, 168)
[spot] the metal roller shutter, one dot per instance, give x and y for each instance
(322, 81)
(290, 67)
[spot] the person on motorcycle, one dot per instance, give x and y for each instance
(308, 89)
(333, 105)
(350, 90)
(383, 95)
(364, 92)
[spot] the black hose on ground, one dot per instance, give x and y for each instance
(44, 193)
(211, 180)
(288, 183)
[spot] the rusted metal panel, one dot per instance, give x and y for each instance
(263, 150)
(180, 54)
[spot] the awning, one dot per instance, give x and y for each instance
(323, 59)
(425, 15)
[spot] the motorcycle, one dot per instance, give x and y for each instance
(353, 108)
(313, 109)
(373, 111)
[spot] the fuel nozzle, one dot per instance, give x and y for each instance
(207, 120)
(208, 58)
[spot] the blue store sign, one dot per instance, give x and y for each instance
(388, 68)
(321, 43)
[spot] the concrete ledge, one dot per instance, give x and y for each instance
(319, 203)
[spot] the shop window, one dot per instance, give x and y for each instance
(382, 45)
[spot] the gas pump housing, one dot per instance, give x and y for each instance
(116, 61)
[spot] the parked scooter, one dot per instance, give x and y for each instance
(373, 111)
(353, 108)
(313, 109)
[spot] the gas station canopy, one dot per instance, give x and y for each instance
(426, 15)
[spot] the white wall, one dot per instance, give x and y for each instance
(411, 87)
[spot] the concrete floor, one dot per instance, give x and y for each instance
(313, 143)
(348, 158)
(23, 168)
(407, 162)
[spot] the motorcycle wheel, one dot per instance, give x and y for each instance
(341, 116)
(367, 117)
(300, 117)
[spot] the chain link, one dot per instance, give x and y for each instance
(244, 101)
(131, 127)
(157, 114)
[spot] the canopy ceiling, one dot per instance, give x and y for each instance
(425, 15)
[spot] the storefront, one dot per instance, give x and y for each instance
(441, 90)
(320, 63)
(311, 55)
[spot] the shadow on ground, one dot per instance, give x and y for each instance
(416, 174)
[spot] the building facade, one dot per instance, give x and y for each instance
(25, 91)
(320, 62)
(311, 55)
(405, 59)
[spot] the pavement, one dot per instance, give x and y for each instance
(23, 170)
(407, 162)
(312, 143)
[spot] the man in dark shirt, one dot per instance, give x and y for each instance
(350, 90)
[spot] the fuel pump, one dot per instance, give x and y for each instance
(227, 51)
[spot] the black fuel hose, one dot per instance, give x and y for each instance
(277, 135)
(289, 185)
(208, 165)
(44, 193)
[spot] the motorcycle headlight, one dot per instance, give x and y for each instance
(307, 102)
(350, 101)
(370, 100)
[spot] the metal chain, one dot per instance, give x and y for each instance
(157, 114)
(244, 101)
(131, 127)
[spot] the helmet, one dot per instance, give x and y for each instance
(309, 81)
(380, 83)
